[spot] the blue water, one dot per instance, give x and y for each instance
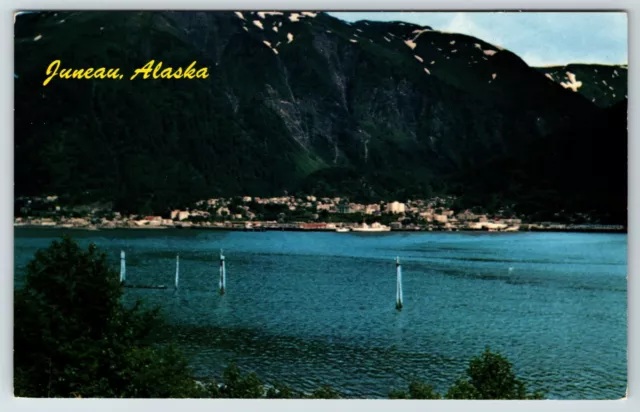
(314, 308)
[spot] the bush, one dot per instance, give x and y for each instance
(489, 376)
(281, 391)
(238, 386)
(417, 390)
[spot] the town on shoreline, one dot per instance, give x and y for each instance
(293, 214)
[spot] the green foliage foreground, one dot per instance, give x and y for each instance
(74, 337)
(489, 376)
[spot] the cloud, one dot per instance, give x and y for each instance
(464, 23)
(539, 38)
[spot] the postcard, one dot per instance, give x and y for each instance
(320, 205)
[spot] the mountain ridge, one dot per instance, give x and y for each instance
(290, 97)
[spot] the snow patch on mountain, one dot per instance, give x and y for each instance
(572, 84)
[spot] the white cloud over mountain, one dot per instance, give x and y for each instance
(540, 38)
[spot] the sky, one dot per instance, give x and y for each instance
(540, 39)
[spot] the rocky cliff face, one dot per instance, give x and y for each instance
(296, 102)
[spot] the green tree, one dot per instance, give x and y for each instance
(237, 385)
(281, 391)
(490, 376)
(74, 337)
(417, 390)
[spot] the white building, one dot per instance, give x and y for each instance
(371, 209)
(396, 207)
(441, 218)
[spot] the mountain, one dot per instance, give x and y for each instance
(303, 102)
(603, 85)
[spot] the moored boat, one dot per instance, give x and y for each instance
(375, 227)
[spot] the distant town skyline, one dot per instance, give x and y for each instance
(539, 38)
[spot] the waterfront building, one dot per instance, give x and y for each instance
(396, 208)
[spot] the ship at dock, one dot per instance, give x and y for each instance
(374, 227)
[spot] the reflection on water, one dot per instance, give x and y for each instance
(314, 308)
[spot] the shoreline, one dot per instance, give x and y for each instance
(536, 228)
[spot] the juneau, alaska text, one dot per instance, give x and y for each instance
(151, 70)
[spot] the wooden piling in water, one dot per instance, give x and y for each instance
(223, 274)
(123, 267)
(398, 284)
(177, 270)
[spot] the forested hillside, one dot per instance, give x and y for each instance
(306, 103)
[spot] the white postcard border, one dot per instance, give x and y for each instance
(8, 403)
